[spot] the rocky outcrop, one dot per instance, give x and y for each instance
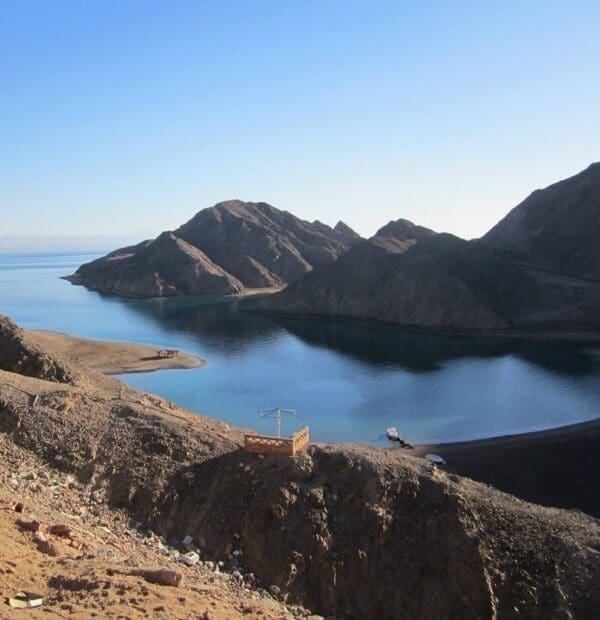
(351, 531)
(19, 355)
(556, 228)
(346, 233)
(223, 250)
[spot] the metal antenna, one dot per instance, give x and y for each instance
(276, 413)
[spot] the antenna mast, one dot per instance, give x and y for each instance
(276, 413)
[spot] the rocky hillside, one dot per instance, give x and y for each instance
(222, 250)
(411, 277)
(556, 228)
(433, 282)
(351, 531)
(18, 354)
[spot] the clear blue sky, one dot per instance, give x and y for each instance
(128, 117)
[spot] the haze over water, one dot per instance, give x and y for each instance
(348, 383)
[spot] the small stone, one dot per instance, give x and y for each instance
(46, 546)
(30, 525)
(274, 590)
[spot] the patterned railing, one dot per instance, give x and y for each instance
(265, 444)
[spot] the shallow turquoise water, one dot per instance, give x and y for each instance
(348, 383)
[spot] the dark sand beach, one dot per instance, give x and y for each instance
(558, 467)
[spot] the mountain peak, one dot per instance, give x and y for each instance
(404, 229)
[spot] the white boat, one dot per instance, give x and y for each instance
(435, 458)
(392, 433)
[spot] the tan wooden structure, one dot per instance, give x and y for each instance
(167, 353)
(265, 444)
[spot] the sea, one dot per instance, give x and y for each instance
(348, 383)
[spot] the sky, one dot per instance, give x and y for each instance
(127, 117)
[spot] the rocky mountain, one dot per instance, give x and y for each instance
(222, 250)
(409, 276)
(437, 282)
(556, 228)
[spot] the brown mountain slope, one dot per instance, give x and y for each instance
(438, 282)
(556, 228)
(259, 244)
(166, 266)
(222, 250)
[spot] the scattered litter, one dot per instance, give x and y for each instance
(26, 600)
(435, 458)
(190, 558)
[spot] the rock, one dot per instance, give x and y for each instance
(31, 525)
(162, 576)
(49, 547)
(60, 529)
(275, 590)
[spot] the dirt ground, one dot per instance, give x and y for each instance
(110, 358)
(94, 574)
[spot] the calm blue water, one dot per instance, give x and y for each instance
(348, 383)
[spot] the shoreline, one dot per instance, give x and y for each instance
(111, 358)
(249, 292)
(539, 334)
(554, 467)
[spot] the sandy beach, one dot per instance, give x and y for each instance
(111, 358)
(558, 467)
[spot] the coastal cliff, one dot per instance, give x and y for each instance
(347, 530)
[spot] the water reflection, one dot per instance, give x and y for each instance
(221, 326)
